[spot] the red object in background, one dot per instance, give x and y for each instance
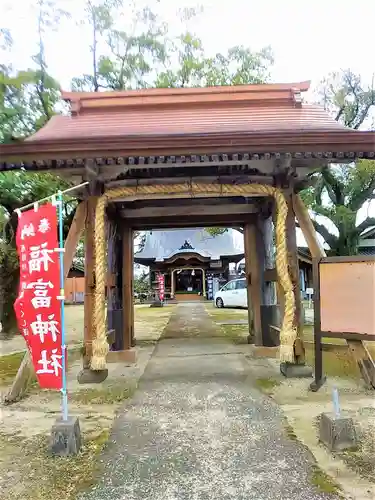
(37, 307)
(161, 286)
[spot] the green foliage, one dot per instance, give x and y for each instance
(143, 55)
(338, 193)
(216, 231)
(18, 189)
(142, 284)
(345, 96)
(24, 105)
(133, 53)
(238, 66)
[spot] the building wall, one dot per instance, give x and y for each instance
(74, 290)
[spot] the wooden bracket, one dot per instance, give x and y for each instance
(364, 360)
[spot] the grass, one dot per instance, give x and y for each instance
(335, 363)
(323, 482)
(106, 395)
(47, 477)
(267, 384)
(235, 333)
(318, 478)
(9, 365)
(290, 431)
(362, 463)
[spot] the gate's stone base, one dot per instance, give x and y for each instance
(87, 376)
(290, 370)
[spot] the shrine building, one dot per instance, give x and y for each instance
(188, 258)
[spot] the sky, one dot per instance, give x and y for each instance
(309, 39)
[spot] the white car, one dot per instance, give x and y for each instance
(232, 294)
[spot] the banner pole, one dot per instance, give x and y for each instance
(62, 298)
(48, 198)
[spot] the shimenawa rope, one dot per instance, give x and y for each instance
(288, 332)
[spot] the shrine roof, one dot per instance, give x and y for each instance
(268, 118)
(162, 245)
(252, 108)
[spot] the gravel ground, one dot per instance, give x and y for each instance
(198, 429)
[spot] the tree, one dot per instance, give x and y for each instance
(27, 102)
(347, 98)
(189, 67)
(338, 194)
(121, 59)
(28, 97)
(340, 191)
(17, 190)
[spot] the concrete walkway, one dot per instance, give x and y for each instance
(198, 429)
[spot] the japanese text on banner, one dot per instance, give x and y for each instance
(37, 307)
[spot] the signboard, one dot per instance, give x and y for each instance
(216, 264)
(161, 287)
(37, 307)
(309, 291)
(344, 296)
(347, 295)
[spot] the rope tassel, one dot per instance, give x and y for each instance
(288, 332)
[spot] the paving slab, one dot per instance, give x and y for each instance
(198, 429)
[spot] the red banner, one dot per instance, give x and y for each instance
(161, 286)
(37, 307)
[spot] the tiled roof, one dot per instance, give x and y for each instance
(252, 119)
(177, 120)
(160, 245)
(245, 108)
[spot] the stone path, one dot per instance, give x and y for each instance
(198, 429)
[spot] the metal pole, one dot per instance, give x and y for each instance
(30, 205)
(62, 298)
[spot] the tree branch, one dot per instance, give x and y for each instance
(328, 237)
(362, 196)
(369, 222)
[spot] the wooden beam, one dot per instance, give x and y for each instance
(89, 278)
(253, 284)
(193, 221)
(91, 170)
(208, 179)
(74, 235)
(127, 287)
(293, 262)
(307, 227)
(189, 210)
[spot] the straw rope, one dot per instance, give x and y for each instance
(288, 332)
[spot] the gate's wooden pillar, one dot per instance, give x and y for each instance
(89, 278)
(114, 284)
(294, 274)
(266, 258)
(127, 287)
(253, 277)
